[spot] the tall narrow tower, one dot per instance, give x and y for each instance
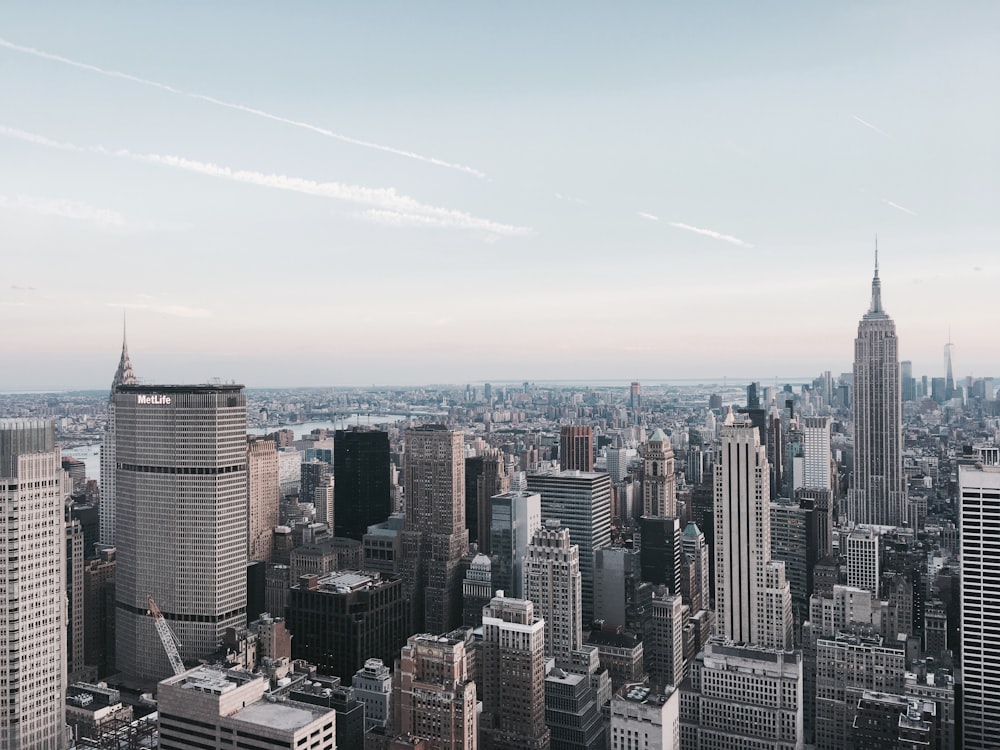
(33, 593)
(552, 583)
(434, 535)
(753, 599)
(124, 375)
(949, 377)
(513, 671)
(878, 490)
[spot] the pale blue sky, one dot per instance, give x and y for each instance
(518, 195)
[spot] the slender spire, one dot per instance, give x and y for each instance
(876, 306)
(124, 375)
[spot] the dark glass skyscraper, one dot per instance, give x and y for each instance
(361, 470)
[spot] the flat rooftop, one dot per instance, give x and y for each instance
(285, 715)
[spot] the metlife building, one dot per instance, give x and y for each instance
(181, 492)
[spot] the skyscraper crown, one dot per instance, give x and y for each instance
(875, 310)
(124, 375)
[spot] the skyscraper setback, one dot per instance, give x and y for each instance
(434, 535)
(878, 490)
(181, 491)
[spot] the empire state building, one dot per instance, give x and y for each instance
(878, 491)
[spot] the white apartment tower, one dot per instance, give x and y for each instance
(181, 491)
(124, 375)
(878, 488)
(863, 556)
(552, 582)
(659, 490)
(816, 453)
(753, 599)
(33, 592)
(979, 530)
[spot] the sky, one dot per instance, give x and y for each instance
(344, 193)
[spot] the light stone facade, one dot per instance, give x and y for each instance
(552, 582)
(753, 599)
(33, 589)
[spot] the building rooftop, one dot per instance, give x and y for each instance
(285, 715)
(198, 388)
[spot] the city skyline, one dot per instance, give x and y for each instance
(698, 161)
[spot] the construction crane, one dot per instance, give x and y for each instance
(170, 641)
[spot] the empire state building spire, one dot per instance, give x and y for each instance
(875, 310)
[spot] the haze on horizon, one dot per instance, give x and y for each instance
(398, 193)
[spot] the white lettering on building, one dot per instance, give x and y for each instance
(152, 399)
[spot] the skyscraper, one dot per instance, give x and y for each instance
(659, 489)
(979, 531)
(816, 453)
(514, 518)
(361, 467)
(576, 447)
(436, 693)
(181, 490)
(434, 535)
(33, 592)
(582, 501)
(949, 373)
(752, 597)
(124, 375)
(513, 672)
(264, 497)
(552, 583)
(878, 490)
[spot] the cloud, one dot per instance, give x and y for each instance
(898, 207)
(872, 127)
(711, 233)
(651, 217)
(571, 199)
(239, 108)
(177, 311)
(394, 207)
(20, 288)
(66, 209)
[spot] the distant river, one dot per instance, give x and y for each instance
(91, 454)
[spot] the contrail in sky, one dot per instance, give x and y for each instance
(238, 107)
(650, 217)
(711, 233)
(898, 207)
(392, 207)
(872, 127)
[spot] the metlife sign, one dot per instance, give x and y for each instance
(152, 399)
